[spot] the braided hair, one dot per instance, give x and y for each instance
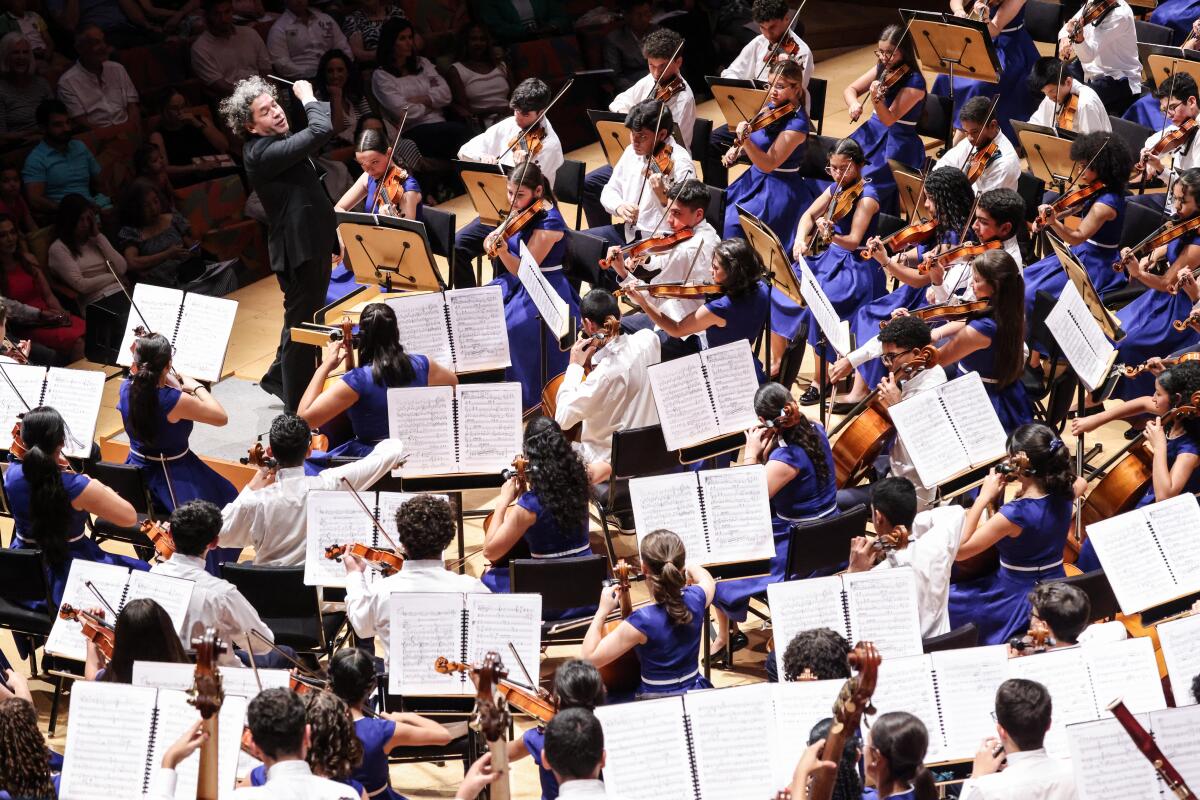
(44, 432)
(847, 785)
(1049, 462)
(663, 557)
(952, 196)
(769, 402)
(557, 474)
(24, 759)
(151, 357)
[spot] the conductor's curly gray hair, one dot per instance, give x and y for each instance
(235, 109)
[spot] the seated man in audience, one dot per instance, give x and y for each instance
(226, 53)
(574, 752)
(981, 127)
(623, 46)
(59, 165)
(300, 37)
(124, 24)
(97, 92)
(933, 539)
(425, 527)
(1107, 50)
(817, 654)
(1022, 718)
(1052, 78)
(271, 513)
(616, 394)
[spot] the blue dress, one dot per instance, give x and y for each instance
(535, 742)
(520, 314)
(1017, 54)
(999, 603)
(545, 539)
(1146, 112)
(79, 544)
(1148, 332)
(258, 777)
(1178, 15)
(670, 657)
(1011, 402)
(778, 197)
(368, 416)
(803, 498)
(341, 278)
(746, 316)
(899, 141)
(372, 774)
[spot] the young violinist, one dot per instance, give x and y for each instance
(1107, 51)
(50, 504)
(28, 767)
(142, 631)
(801, 484)
(772, 188)
(271, 512)
(1147, 321)
(543, 232)
(375, 191)
(574, 753)
(1029, 532)
(1021, 768)
(361, 393)
(352, 678)
(665, 635)
(547, 512)
(816, 654)
(615, 393)
(891, 130)
(1002, 168)
(1065, 612)
(1177, 98)
(1176, 447)
(999, 217)
(1060, 91)
(894, 760)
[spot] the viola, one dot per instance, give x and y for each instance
(18, 449)
(625, 673)
(765, 117)
(890, 542)
(208, 695)
(1065, 118)
(1166, 234)
(490, 718)
(1145, 743)
(95, 629)
(852, 702)
(960, 253)
(1169, 142)
(1133, 372)
(1191, 319)
(981, 14)
(159, 534)
(1038, 639)
(841, 204)
(980, 160)
(912, 234)
(1068, 203)
(666, 91)
(515, 224)
(303, 684)
(652, 245)
(786, 47)
(388, 561)
(531, 141)
(537, 705)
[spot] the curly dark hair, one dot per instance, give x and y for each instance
(663, 558)
(152, 357)
(821, 651)
(907, 332)
(1109, 157)
(953, 197)
(276, 720)
(24, 758)
(352, 675)
(290, 438)
(44, 433)
(661, 43)
(334, 751)
(1003, 274)
(848, 785)
(379, 346)
(769, 402)
(1181, 382)
(194, 526)
(557, 475)
(1049, 461)
(424, 526)
(743, 268)
(143, 632)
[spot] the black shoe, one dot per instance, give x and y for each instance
(811, 396)
(272, 387)
(843, 408)
(738, 641)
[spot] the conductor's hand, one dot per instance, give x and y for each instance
(303, 91)
(582, 350)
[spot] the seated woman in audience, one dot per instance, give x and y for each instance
(183, 136)
(1029, 533)
(361, 393)
(550, 516)
(665, 635)
(333, 751)
(1176, 448)
(50, 505)
(352, 676)
(21, 90)
(12, 200)
(38, 315)
(143, 632)
(149, 164)
(362, 27)
(480, 82)
(28, 768)
(339, 83)
(802, 486)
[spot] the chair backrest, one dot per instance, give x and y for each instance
(1152, 33)
(568, 181)
(1031, 188)
(212, 204)
(562, 582)
(439, 227)
(888, 225)
(274, 592)
(126, 480)
(793, 358)
(22, 577)
(701, 133)
(1140, 222)
(817, 89)
(583, 258)
(816, 157)
(715, 213)
(1100, 594)
(638, 452)
(823, 543)
(937, 118)
(962, 636)
(1043, 20)
(1130, 132)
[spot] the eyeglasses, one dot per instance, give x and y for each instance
(883, 55)
(832, 170)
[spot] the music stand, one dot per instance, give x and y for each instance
(1077, 273)
(614, 136)
(953, 46)
(775, 258)
(908, 188)
(739, 99)
(389, 252)
(1048, 153)
(487, 186)
(1161, 65)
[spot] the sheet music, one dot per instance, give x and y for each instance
(738, 507)
(108, 736)
(967, 680)
(423, 418)
(671, 502)
(203, 337)
(334, 518)
(906, 684)
(727, 737)
(173, 594)
(66, 636)
(1180, 640)
(734, 381)
(800, 605)
(1175, 525)
(1064, 674)
(836, 331)
(489, 426)
(421, 319)
(1127, 669)
(553, 309)
(175, 716)
(681, 396)
(883, 610)
(76, 395)
(975, 418)
(1175, 731)
(629, 774)
(1080, 337)
(159, 306)
(495, 620)
(478, 328)
(27, 380)
(799, 706)
(425, 625)
(235, 681)
(1106, 762)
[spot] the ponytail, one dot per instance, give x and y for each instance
(44, 433)
(152, 356)
(663, 556)
(902, 740)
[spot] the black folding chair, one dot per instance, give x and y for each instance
(568, 186)
(823, 544)
(715, 213)
(564, 584)
(1043, 20)
(817, 89)
(584, 253)
(937, 119)
(439, 227)
(289, 608)
(636, 452)
(701, 133)
(23, 583)
(1131, 133)
(1151, 33)
(1099, 592)
(962, 636)
(129, 482)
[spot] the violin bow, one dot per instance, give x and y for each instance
(296, 663)
(670, 61)
(379, 527)
(253, 666)
(532, 684)
(92, 588)
(391, 159)
(525, 131)
(779, 45)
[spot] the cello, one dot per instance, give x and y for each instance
(852, 702)
(490, 717)
(623, 674)
(208, 695)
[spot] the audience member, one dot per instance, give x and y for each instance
(127, 24)
(21, 90)
(623, 46)
(22, 280)
(339, 83)
(182, 136)
(526, 19)
(225, 53)
(300, 37)
(12, 200)
(480, 82)
(97, 92)
(60, 165)
(19, 18)
(362, 27)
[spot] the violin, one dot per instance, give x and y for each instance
(660, 163)
(18, 449)
(1067, 204)
(159, 534)
(1092, 13)
(531, 141)
(890, 542)
(95, 629)
(675, 291)
(841, 204)
(611, 329)
(1065, 118)
(18, 352)
(666, 91)
(786, 48)
(980, 160)
(388, 561)
(652, 245)
(391, 189)
(1183, 324)
(912, 234)
(960, 253)
(789, 417)
(1038, 639)
(765, 117)
(520, 470)
(982, 14)
(852, 702)
(1169, 142)
(1166, 234)
(624, 674)
(1146, 744)
(886, 80)
(515, 224)
(537, 705)
(1013, 467)
(257, 457)
(948, 312)
(1133, 372)
(490, 718)
(208, 695)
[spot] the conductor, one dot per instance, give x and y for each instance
(301, 217)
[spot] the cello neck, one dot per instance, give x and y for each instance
(500, 789)
(208, 784)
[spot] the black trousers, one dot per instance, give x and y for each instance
(304, 289)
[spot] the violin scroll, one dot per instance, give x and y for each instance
(159, 534)
(257, 456)
(1013, 467)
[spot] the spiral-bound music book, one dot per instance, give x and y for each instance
(117, 734)
(1109, 766)
(462, 329)
(950, 429)
(879, 606)
(117, 585)
(197, 325)
(461, 627)
(74, 393)
(722, 515)
(1180, 640)
(242, 681)
(705, 395)
(474, 427)
(1150, 554)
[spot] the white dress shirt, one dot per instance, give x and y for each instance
(1091, 116)
(215, 602)
(274, 519)
(1182, 159)
(1030, 775)
(241, 54)
(1110, 48)
(494, 141)
(292, 780)
(296, 46)
(367, 604)
(393, 93)
(614, 396)
(688, 261)
(900, 464)
(1002, 173)
(626, 182)
(682, 106)
(1111, 631)
(934, 538)
(103, 100)
(749, 64)
(958, 276)
(583, 790)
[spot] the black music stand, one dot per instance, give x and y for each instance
(953, 46)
